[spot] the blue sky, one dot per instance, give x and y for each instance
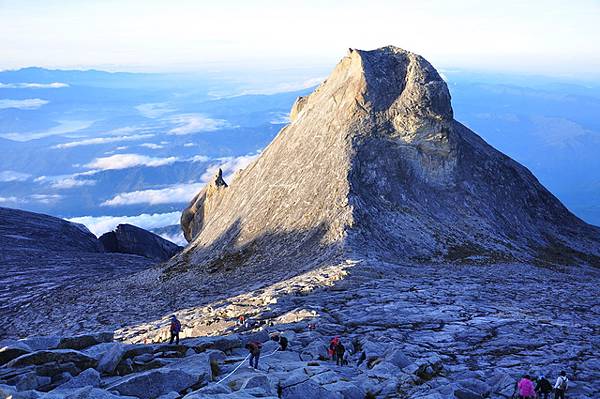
(546, 37)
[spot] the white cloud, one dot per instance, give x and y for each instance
(28, 103)
(63, 127)
(179, 193)
(4, 200)
(103, 140)
(229, 166)
(178, 239)
(54, 85)
(70, 182)
(199, 158)
(11, 175)
(46, 198)
(286, 87)
(195, 123)
(279, 118)
(123, 161)
(152, 146)
(189, 144)
(101, 224)
(154, 110)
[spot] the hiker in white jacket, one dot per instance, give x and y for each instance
(562, 382)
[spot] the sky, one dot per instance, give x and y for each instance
(544, 36)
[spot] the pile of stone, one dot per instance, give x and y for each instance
(95, 366)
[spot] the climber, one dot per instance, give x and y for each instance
(339, 354)
(543, 387)
(332, 344)
(175, 329)
(562, 383)
(526, 388)
(254, 350)
(283, 341)
(241, 320)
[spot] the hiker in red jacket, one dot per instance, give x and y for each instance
(175, 329)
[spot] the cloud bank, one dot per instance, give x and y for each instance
(195, 123)
(181, 193)
(28, 103)
(103, 140)
(99, 225)
(124, 161)
(11, 175)
(55, 85)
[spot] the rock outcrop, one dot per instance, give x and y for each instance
(373, 164)
(41, 253)
(129, 239)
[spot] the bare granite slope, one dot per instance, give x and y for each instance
(374, 164)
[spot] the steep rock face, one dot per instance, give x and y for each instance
(131, 239)
(30, 231)
(373, 164)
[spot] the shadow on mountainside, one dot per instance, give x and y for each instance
(157, 292)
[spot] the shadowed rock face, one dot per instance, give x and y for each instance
(129, 239)
(375, 162)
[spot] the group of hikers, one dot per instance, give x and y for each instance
(528, 388)
(525, 388)
(337, 352)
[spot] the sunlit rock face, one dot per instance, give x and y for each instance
(373, 163)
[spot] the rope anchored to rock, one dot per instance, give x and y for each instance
(240, 365)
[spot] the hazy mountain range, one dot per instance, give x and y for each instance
(104, 148)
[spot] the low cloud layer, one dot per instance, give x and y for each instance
(195, 123)
(152, 146)
(28, 103)
(103, 140)
(55, 85)
(99, 225)
(181, 193)
(11, 175)
(154, 110)
(63, 127)
(71, 182)
(124, 161)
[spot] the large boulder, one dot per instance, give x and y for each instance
(83, 393)
(81, 360)
(87, 378)
(41, 343)
(131, 239)
(85, 341)
(183, 374)
(10, 350)
(154, 383)
(308, 389)
(110, 359)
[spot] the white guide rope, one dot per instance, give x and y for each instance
(240, 365)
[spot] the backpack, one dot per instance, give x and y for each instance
(176, 326)
(564, 382)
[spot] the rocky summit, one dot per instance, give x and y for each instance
(373, 164)
(445, 268)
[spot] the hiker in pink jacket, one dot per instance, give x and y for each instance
(526, 388)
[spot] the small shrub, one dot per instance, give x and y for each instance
(370, 395)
